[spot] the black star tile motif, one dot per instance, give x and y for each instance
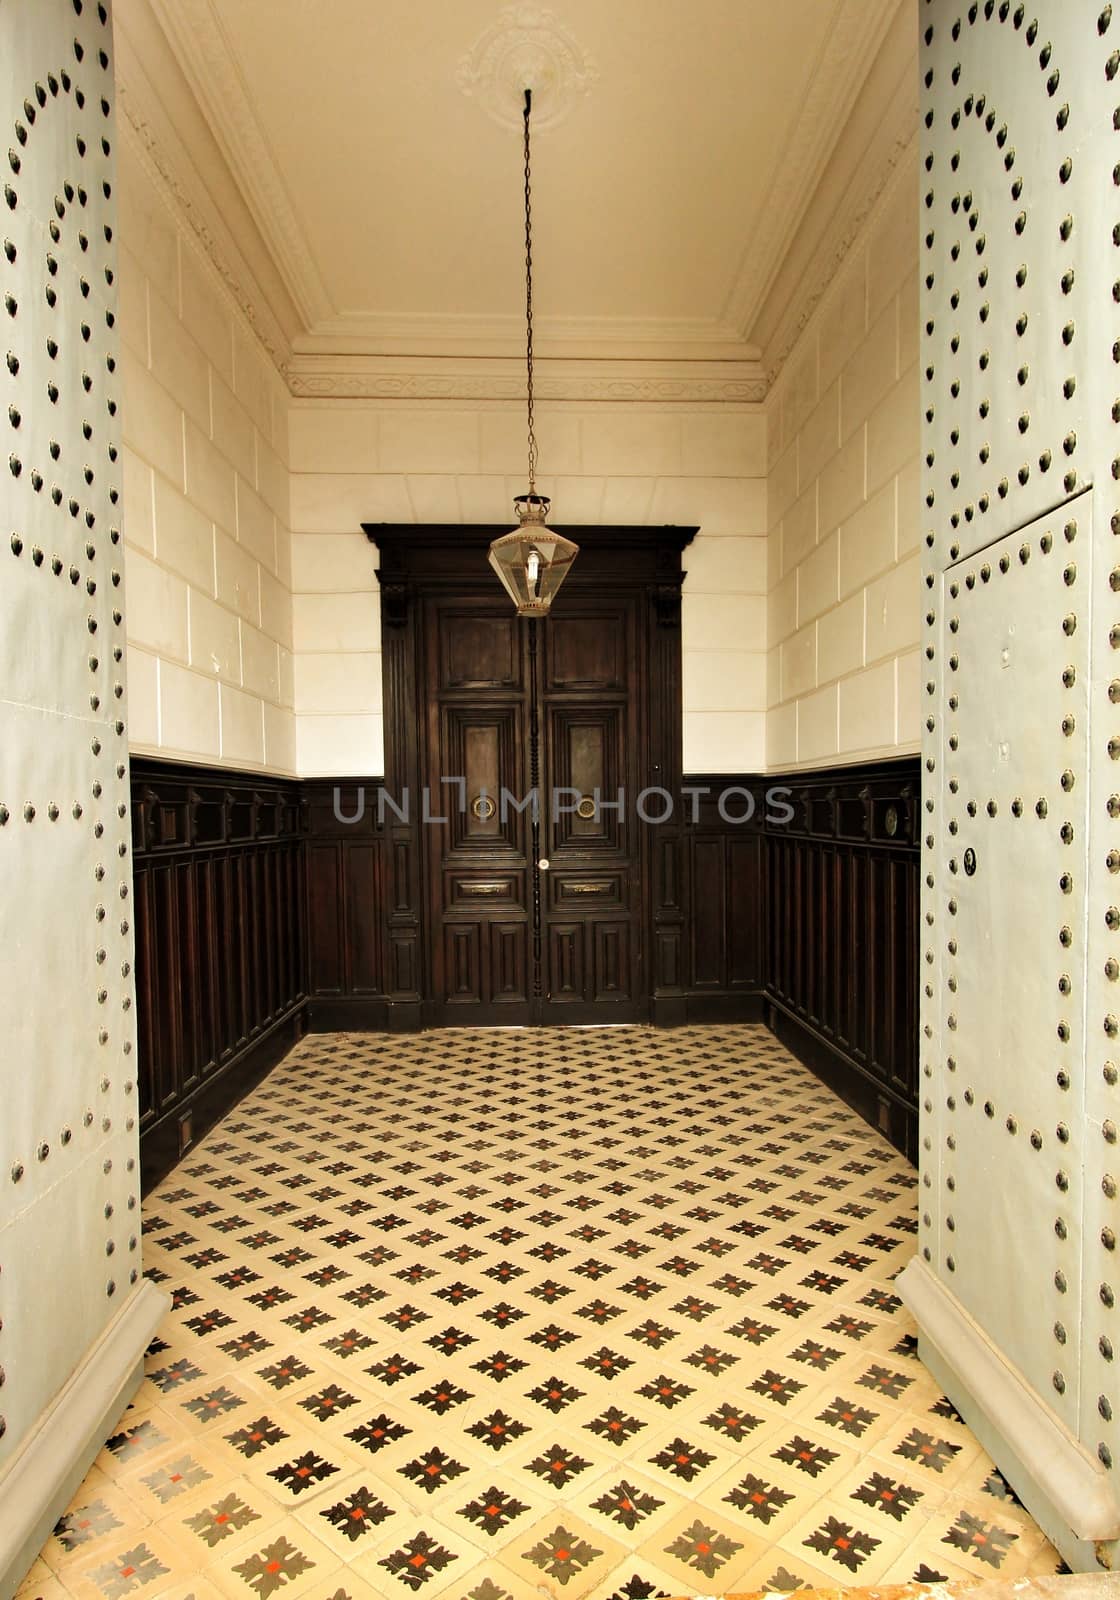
(303, 1473)
(806, 1456)
(493, 1510)
(773, 1386)
(615, 1426)
(554, 1394)
(888, 1495)
(442, 1397)
(847, 1416)
(357, 1514)
(256, 1436)
(606, 1363)
(379, 1431)
(497, 1430)
(418, 1561)
(557, 1466)
(732, 1421)
(552, 1338)
(685, 1461)
(562, 1555)
(208, 1407)
(759, 1499)
(330, 1401)
(668, 1392)
(845, 1544)
(703, 1548)
(929, 1452)
(432, 1470)
(627, 1505)
(984, 1540)
(393, 1368)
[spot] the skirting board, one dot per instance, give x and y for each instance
(1067, 1491)
(42, 1478)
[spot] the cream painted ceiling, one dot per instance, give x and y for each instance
(391, 202)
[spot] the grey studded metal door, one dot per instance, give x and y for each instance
(1014, 905)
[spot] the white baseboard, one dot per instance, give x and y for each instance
(41, 1479)
(1071, 1496)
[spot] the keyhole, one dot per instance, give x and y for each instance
(969, 861)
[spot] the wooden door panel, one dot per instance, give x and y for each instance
(586, 757)
(477, 856)
(470, 890)
(612, 978)
(572, 893)
(509, 962)
(566, 963)
(588, 652)
(462, 966)
(480, 648)
(480, 753)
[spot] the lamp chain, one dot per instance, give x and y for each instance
(529, 299)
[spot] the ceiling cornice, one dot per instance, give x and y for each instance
(589, 338)
(195, 32)
(664, 382)
(893, 162)
(851, 48)
(225, 240)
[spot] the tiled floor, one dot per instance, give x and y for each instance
(497, 1314)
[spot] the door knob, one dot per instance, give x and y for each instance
(544, 863)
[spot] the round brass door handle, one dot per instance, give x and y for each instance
(483, 807)
(586, 808)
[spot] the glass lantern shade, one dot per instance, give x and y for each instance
(532, 561)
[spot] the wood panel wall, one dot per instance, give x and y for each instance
(265, 907)
(221, 944)
(840, 935)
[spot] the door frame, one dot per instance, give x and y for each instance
(422, 559)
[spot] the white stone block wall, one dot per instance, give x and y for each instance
(843, 420)
(207, 517)
(403, 461)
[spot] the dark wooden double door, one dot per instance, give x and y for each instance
(534, 925)
(481, 925)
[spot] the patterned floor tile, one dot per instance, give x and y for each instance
(702, 1551)
(283, 1559)
(422, 1555)
(619, 1285)
(628, 1504)
(135, 1562)
(561, 1554)
(842, 1545)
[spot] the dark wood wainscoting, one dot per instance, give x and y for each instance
(263, 907)
(359, 881)
(840, 935)
(723, 978)
(221, 944)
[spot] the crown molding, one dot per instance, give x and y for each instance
(880, 178)
(874, 152)
(851, 48)
(171, 161)
(665, 382)
(503, 337)
(194, 30)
